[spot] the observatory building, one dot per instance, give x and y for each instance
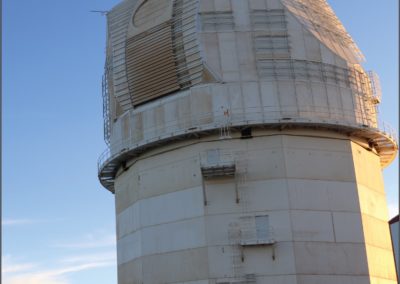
(243, 145)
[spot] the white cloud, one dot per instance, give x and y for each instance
(22, 273)
(8, 265)
(34, 279)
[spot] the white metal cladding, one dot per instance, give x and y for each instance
(118, 20)
(376, 86)
(272, 20)
(274, 69)
(318, 17)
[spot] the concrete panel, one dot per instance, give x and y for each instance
(252, 102)
(270, 99)
(257, 5)
(376, 232)
(282, 279)
(334, 101)
(381, 263)
(217, 228)
(372, 203)
(374, 280)
(332, 279)
(313, 51)
(347, 103)
(287, 98)
(220, 99)
(210, 46)
(172, 207)
(267, 164)
(247, 60)
(130, 272)
(348, 227)
(261, 143)
(236, 99)
(368, 168)
(149, 124)
(128, 220)
(312, 226)
(330, 258)
(201, 103)
(343, 196)
(320, 99)
(327, 55)
(182, 266)
(265, 195)
(274, 4)
(322, 165)
(220, 262)
(304, 98)
(126, 190)
(228, 54)
(295, 31)
(195, 282)
(222, 5)
(221, 197)
(323, 195)
(173, 236)
(129, 247)
(318, 143)
(176, 175)
(241, 14)
(206, 6)
(259, 260)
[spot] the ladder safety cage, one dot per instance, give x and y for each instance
(106, 105)
(375, 86)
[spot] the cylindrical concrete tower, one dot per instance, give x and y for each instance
(243, 145)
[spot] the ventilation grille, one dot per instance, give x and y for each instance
(186, 48)
(151, 65)
(118, 20)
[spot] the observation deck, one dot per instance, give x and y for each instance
(354, 124)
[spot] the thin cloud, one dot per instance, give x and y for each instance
(8, 265)
(109, 256)
(21, 273)
(15, 222)
(89, 242)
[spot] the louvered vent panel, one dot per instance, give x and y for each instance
(118, 20)
(150, 62)
(186, 47)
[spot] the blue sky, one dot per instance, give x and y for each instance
(58, 222)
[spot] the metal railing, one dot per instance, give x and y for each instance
(190, 123)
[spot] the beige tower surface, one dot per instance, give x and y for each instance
(244, 145)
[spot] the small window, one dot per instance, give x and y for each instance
(262, 225)
(255, 230)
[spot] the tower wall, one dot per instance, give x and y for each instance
(244, 145)
(306, 182)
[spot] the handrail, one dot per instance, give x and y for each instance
(190, 123)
